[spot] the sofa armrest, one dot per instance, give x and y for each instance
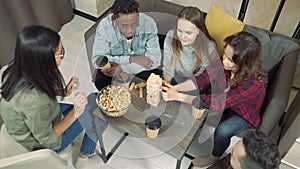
(290, 130)
(279, 91)
(45, 158)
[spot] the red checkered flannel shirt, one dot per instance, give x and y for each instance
(245, 99)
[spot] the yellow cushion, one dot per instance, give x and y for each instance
(220, 25)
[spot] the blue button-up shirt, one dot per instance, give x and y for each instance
(110, 42)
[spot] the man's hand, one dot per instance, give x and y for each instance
(115, 68)
(144, 61)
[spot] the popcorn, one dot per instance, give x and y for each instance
(114, 100)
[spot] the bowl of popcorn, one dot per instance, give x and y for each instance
(113, 100)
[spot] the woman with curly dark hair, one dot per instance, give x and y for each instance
(243, 93)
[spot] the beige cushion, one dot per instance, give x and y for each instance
(220, 25)
(45, 159)
(8, 146)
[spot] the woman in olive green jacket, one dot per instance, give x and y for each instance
(28, 100)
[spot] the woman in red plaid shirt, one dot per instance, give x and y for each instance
(240, 80)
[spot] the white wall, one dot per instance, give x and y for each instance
(92, 7)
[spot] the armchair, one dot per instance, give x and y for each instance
(45, 158)
(278, 95)
(14, 155)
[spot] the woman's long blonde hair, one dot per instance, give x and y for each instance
(195, 16)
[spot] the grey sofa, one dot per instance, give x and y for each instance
(280, 72)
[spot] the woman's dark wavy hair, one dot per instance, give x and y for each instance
(247, 57)
(261, 152)
(195, 16)
(124, 7)
(34, 64)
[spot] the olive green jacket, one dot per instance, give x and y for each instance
(29, 117)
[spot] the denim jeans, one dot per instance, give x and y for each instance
(85, 121)
(227, 128)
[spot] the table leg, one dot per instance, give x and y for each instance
(191, 166)
(191, 158)
(99, 134)
(105, 157)
(178, 164)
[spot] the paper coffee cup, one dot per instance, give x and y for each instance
(197, 113)
(153, 124)
(198, 107)
(105, 67)
(152, 133)
(103, 62)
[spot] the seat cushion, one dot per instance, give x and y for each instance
(45, 159)
(274, 46)
(8, 146)
(220, 25)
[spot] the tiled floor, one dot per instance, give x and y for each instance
(76, 64)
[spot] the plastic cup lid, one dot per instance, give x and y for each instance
(199, 103)
(101, 61)
(153, 122)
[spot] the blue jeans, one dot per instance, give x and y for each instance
(227, 128)
(85, 121)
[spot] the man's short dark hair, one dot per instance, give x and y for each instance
(124, 7)
(261, 152)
